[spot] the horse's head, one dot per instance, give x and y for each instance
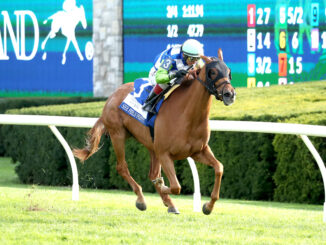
(81, 16)
(216, 77)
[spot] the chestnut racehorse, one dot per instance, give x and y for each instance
(181, 130)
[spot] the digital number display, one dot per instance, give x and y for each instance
(264, 42)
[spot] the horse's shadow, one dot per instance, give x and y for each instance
(67, 22)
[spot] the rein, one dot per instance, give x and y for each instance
(210, 84)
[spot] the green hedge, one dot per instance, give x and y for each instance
(18, 103)
(297, 177)
(226, 146)
(45, 162)
(257, 166)
(246, 157)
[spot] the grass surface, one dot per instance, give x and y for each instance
(46, 215)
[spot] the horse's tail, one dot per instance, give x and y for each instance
(92, 141)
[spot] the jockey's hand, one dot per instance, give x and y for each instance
(181, 73)
(192, 74)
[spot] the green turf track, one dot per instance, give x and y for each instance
(47, 215)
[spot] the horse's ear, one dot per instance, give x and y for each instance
(220, 54)
(206, 59)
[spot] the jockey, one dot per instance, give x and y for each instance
(69, 5)
(173, 63)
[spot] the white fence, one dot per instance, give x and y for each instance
(235, 126)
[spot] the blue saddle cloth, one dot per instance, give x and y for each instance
(133, 103)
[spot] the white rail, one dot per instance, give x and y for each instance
(268, 127)
(280, 128)
(51, 122)
(75, 184)
(36, 120)
(234, 126)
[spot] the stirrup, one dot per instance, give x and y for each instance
(151, 103)
(152, 110)
(149, 108)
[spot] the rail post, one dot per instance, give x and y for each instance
(320, 164)
(197, 195)
(75, 184)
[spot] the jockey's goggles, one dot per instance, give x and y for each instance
(191, 59)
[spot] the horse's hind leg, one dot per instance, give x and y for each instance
(154, 174)
(118, 142)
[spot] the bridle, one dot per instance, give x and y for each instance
(210, 83)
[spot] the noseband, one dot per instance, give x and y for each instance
(210, 83)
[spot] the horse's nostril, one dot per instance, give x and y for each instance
(227, 94)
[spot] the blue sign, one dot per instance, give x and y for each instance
(46, 49)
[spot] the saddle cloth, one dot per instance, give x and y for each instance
(133, 103)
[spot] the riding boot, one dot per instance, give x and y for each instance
(150, 101)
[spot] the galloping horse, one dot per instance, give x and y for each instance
(67, 22)
(181, 130)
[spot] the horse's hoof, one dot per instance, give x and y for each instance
(206, 210)
(141, 206)
(173, 210)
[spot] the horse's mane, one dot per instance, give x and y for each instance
(186, 83)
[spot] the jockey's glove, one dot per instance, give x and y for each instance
(181, 73)
(172, 74)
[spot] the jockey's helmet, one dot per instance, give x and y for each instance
(192, 48)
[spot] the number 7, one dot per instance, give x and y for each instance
(282, 65)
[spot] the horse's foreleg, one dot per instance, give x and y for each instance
(118, 142)
(168, 167)
(206, 156)
(154, 174)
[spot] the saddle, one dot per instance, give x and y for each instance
(172, 85)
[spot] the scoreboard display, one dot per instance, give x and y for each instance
(264, 42)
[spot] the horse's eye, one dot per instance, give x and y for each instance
(211, 73)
